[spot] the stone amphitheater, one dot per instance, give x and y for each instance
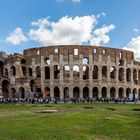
(72, 71)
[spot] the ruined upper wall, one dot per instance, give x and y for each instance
(66, 50)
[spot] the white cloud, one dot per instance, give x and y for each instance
(101, 15)
(136, 30)
(100, 36)
(76, 1)
(68, 30)
(16, 37)
(134, 45)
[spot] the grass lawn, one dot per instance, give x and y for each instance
(72, 122)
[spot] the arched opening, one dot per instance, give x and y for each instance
(47, 92)
(139, 77)
(22, 92)
(66, 92)
(5, 88)
(104, 92)
(56, 72)
(85, 72)
(139, 94)
(128, 75)
(38, 93)
(66, 71)
(32, 85)
(134, 93)
(85, 92)
(23, 61)
(13, 71)
(13, 93)
(47, 73)
(128, 92)
(112, 93)
(38, 72)
(76, 70)
(121, 93)
(112, 72)
(95, 72)
(135, 76)
(121, 74)
(95, 92)
(76, 93)
(24, 70)
(47, 61)
(56, 93)
(30, 72)
(6, 73)
(104, 71)
(1, 68)
(121, 62)
(85, 60)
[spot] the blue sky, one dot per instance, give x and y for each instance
(117, 20)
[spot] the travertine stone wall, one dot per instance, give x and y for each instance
(67, 71)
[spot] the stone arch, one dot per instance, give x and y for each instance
(76, 71)
(76, 92)
(85, 72)
(104, 92)
(13, 92)
(13, 70)
(1, 68)
(32, 85)
(30, 72)
(128, 75)
(56, 72)
(47, 72)
(47, 60)
(135, 76)
(139, 94)
(47, 92)
(95, 72)
(5, 88)
(112, 72)
(66, 71)
(6, 74)
(85, 92)
(121, 74)
(24, 70)
(22, 92)
(113, 92)
(85, 60)
(56, 93)
(23, 61)
(38, 93)
(121, 93)
(104, 71)
(134, 93)
(38, 72)
(95, 92)
(66, 92)
(128, 92)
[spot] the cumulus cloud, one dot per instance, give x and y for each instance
(70, 30)
(16, 37)
(100, 36)
(134, 45)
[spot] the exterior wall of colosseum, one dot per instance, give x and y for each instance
(70, 71)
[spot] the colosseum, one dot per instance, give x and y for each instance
(72, 71)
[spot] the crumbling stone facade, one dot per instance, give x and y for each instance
(70, 71)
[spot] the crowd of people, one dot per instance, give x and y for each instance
(67, 100)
